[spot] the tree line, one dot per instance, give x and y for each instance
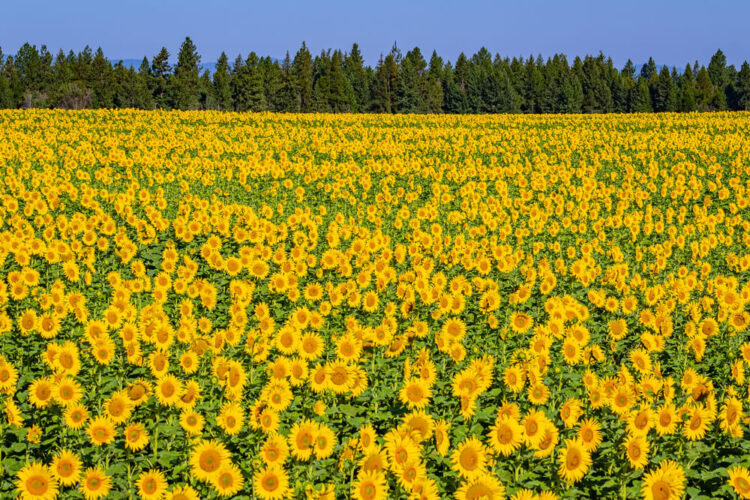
(337, 81)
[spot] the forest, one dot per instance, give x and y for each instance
(341, 82)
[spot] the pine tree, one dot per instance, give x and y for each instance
(407, 87)
(186, 79)
(704, 91)
(100, 82)
(666, 95)
(303, 73)
(354, 69)
(340, 95)
(161, 73)
(686, 91)
(288, 98)
(385, 86)
(717, 72)
(142, 97)
(743, 80)
(256, 95)
(222, 90)
(239, 83)
(435, 94)
(640, 101)
(6, 94)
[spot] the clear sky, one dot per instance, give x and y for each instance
(672, 31)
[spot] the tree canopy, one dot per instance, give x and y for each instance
(339, 81)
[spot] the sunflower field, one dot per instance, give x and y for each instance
(207, 305)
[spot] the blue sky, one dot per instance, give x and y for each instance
(673, 32)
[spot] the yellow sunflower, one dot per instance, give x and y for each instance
(36, 481)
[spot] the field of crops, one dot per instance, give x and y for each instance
(203, 305)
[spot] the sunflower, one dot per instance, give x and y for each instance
(66, 467)
(271, 482)
(370, 485)
(666, 419)
(411, 473)
(152, 485)
(485, 486)
(207, 458)
(539, 393)
(442, 441)
(665, 483)
(547, 442)
(421, 423)
(514, 378)
(95, 483)
(696, 425)
(533, 424)
(8, 376)
(231, 418)
(367, 435)
(228, 480)
(302, 439)
(415, 393)
(76, 416)
(469, 458)
(36, 481)
(191, 422)
(739, 479)
(101, 430)
(374, 459)
(136, 436)
(325, 441)
(636, 450)
(41, 392)
(275, 450)
(590, 434)
(311, 346)
(168, 390)
(182, 493)
(118, 407)
(506, 436)
(67, 391)
(574, 461)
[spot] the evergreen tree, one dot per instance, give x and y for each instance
(408, 92)
(239, 83)
(704, 95)
(6, 94)
(717, 72)
(161, 73)
(743, 79)
(640, 101)
(435, 94)
(666, 95)
(101, 82)
(686, 91)
(648, 70)
(206, 98)
(354, 69)
(288, 98)
(385, 85)
(256, 95)
(186, 78)
(142, 97)
(222, 90)
(303, 73)
(340, 94)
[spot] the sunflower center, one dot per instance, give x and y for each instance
(661, 490)
(271, 483)
(210, 461)
(573, 460)
(37, 485)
